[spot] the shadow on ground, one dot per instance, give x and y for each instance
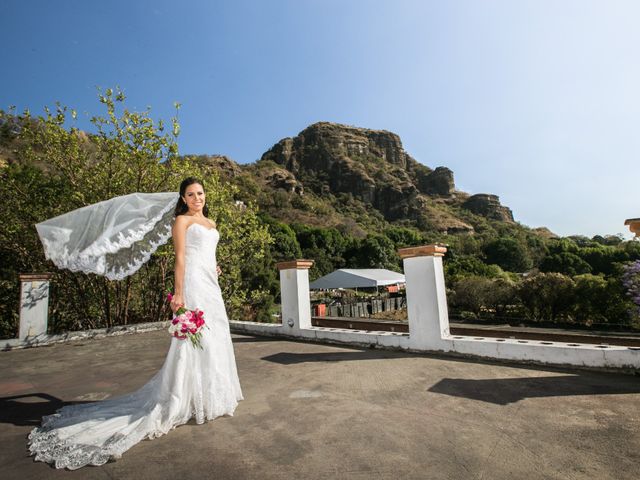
(29, 411)
(503, 391)
(238, 339)
(500, 391)
(288, 358)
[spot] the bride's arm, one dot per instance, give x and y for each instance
(218, 269)
(179, 233)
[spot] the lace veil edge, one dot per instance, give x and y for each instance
(113, 238)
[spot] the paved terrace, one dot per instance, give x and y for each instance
(325, 412)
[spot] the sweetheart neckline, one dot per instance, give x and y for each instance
(196, 223)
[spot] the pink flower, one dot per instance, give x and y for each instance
(169, 297)
(187, 324)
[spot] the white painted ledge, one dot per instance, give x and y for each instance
(531, 351)
(48, 339)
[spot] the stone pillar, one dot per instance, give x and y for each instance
(34, 304)
(294, 293)
(426, 296)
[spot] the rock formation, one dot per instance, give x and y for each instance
(281, 178)
(438, 182)
(488, 206)
(225, 166)
(371, 165)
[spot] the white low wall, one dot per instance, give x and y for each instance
(48, 339)
(428, 322)
(533, 351)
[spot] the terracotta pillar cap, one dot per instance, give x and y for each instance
(299, 264)
(634, 225)
(433, 250)
(33, 277)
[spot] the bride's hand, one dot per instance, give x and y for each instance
(218, 270)
(176, 302)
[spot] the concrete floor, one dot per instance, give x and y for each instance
(325, 412)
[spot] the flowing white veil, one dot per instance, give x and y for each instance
(113, 238)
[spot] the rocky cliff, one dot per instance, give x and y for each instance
(225, 166)
(488, 206)
(371, 165)
(349, 171)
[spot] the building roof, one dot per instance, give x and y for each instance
(358, 277)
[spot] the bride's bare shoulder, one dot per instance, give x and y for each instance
(182, 222)
(213, 224)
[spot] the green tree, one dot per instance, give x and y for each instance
(481, 295)
(502, 296)
(509, 254)
(632, 249)
(327, 247)
(601, 300)
(56, 168)
(461, 266)
(285, 244)
(559, 245)
(547, 296)
(608, 239)
(373, 251)
(469, 294)
(565, 262)
(404, 237)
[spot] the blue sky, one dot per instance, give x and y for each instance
(535, 101)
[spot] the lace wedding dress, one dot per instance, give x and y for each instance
(192, 383)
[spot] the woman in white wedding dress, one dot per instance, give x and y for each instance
(201, 383)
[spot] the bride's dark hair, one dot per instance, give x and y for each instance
(181, 207)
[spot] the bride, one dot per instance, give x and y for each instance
(201, 383)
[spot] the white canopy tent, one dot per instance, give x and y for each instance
(358, 277)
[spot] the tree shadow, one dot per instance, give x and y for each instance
(503, 391)
(500, 391)
(30, 412)
(288, 358)
(250, 339)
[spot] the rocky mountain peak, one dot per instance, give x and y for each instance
(343, 163)
(318, 147)
(371, 165)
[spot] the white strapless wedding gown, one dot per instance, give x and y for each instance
(192, 383)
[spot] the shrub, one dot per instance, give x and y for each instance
(547, 296)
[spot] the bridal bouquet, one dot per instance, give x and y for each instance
(187, 324)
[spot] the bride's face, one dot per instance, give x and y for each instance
(194, 197)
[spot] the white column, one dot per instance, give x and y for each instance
(34, 304)
(426, 296)
(294, 294)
